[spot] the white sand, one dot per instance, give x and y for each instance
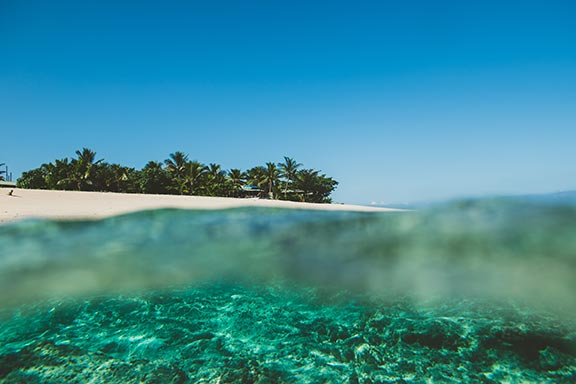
(28, 203)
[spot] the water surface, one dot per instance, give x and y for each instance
(477, 291)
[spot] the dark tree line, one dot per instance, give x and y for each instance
(179, 175)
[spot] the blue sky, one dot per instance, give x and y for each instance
(400, 101)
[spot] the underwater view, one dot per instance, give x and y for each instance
(469, 291)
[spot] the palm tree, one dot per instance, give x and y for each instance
(215, 180)
(61, 174)
(288, 171)
(214, 170)
(84, 166)
(236, 179)
(270, 178)
(176, 166)
(194, 170)
(153, 178)
(254, 176)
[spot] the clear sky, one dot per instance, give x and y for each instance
(400, 101)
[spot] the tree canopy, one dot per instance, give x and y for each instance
(179, 175)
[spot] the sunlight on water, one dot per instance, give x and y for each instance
(480, 291)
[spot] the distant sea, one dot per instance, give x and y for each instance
(479, 290)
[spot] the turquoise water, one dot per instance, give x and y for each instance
(476, 291)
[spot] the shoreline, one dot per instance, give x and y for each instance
(80, 205)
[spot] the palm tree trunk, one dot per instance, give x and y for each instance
(270, 194)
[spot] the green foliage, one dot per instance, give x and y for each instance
(254, 176)
(288, 170)
(271, 179)
(195, 173)
(313, 187)
(85, 168)
(116, 178)
(179, 175)
(235, 180)
(176, 167)
(215, 180)
(154, 179)
(33, 179)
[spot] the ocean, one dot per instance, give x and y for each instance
(479, 291)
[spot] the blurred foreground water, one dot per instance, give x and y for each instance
(476, 291)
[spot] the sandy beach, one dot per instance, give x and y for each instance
(27, 203)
